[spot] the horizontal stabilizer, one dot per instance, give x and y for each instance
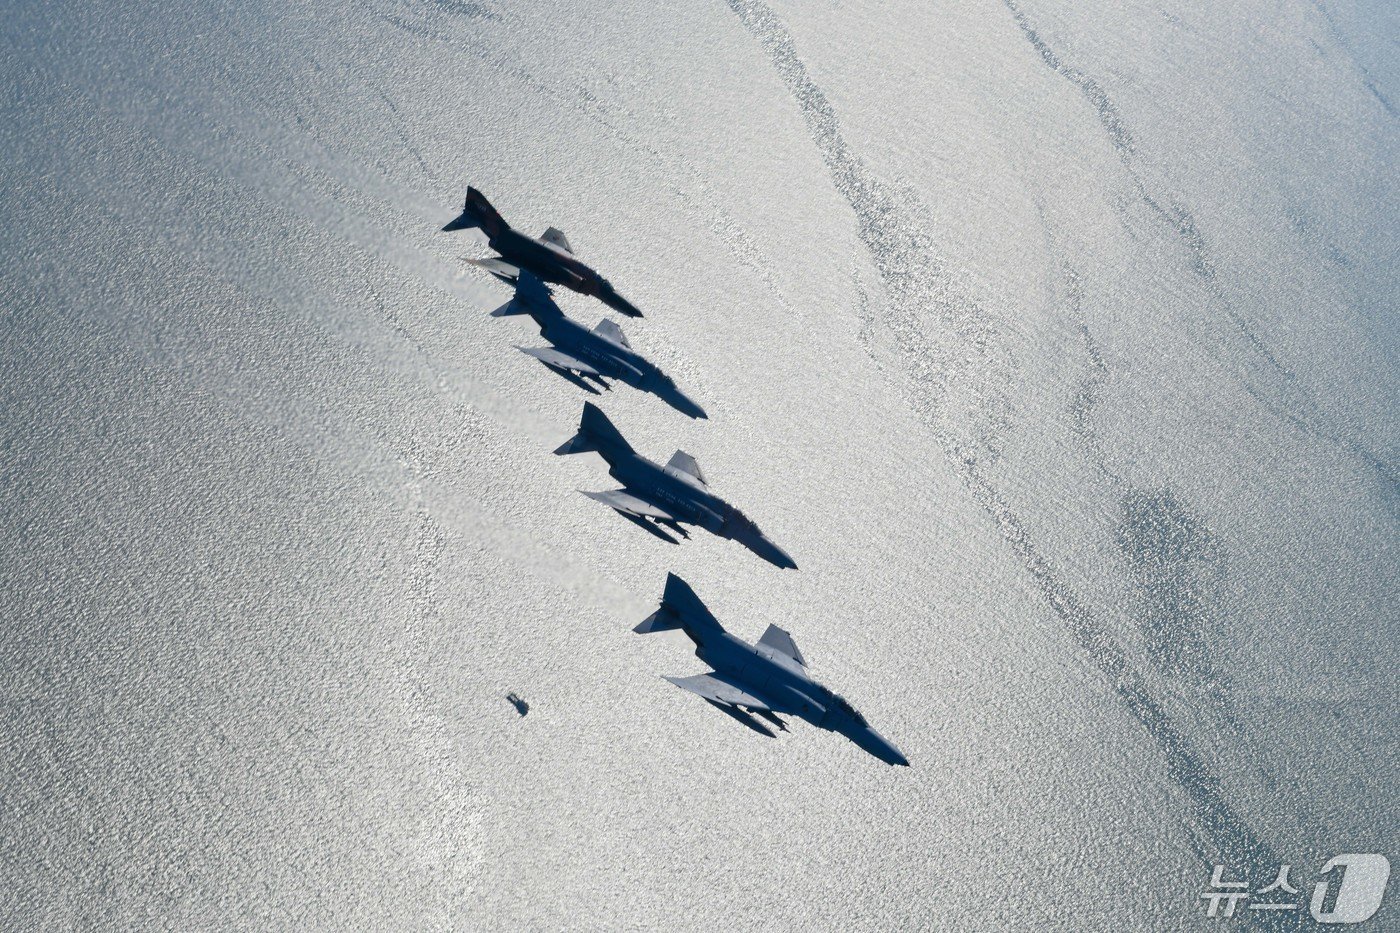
(662, 620)
(511, 307)
(578, 444)
(463, 221)
(532, 296)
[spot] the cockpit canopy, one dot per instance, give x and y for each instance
(850, 710)
(738, 521)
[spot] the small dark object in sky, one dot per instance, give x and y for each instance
(520, 705)
(667, 496)
(580, 354)
(760, 680)
(550, 257)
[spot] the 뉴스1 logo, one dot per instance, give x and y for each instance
(1350, 890)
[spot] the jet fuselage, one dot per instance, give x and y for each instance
(555, 264)
(545, 260)
(783, 684)
(683, 497)
(547, 257)
(677, 491)
(608, 357)
(770, 676)
(691, 501)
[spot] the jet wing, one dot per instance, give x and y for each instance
(559, 359)
(610, 331)
(683, 462)
(713, 687)
(780, 641)
(555, 237)
(498, 267)
(626, 502)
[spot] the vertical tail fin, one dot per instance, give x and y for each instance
(680, 608)
(478, 212)
(489, 219)
(596, 432)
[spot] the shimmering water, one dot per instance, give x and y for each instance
(1056, 346)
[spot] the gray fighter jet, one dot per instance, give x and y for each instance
(669, 496)
(580, 354)
(760, 680)
(550, 257)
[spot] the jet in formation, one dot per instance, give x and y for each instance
(753, 682)
(579, 354)
(550, 257)
(668, 496)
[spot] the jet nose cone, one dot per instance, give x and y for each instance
(775, 555)
(687, 406)
(881, 747)
(613, 300)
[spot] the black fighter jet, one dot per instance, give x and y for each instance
(760, 680)
(579, 354)
(550, 257)
(667, 496)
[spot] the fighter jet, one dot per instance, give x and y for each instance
(759, 680)
(550, 256)
(669, 496)
(580, 354)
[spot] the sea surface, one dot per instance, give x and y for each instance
(1057, 343)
